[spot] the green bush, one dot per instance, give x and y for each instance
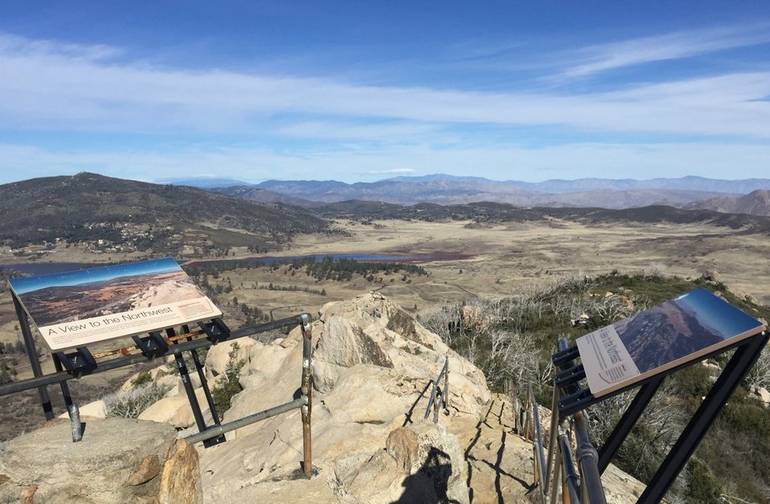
(5, 374)
(223, 394)
(703, 487)
(142, 378)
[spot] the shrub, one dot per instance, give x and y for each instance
(131, 404)
(142, 378)
(223, 394)
(5, 375)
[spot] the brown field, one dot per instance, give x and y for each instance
(510, 258)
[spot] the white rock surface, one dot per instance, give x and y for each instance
(372, 365)
(175, 410)
(94, 409)
(118, 461)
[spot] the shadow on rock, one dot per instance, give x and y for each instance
(429, 484)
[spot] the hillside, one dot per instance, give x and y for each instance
(447, 189)
(259, 195)
(140, 215)
(487, 212)
(754, 203)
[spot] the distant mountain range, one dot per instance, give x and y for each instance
(448, 189)
(111, 214)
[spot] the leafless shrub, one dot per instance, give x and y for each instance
(651, 439)
(759, 376)
(513, 357)
(446, 322)
(131, 403)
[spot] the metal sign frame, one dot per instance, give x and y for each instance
(570, 400)
(81, 362)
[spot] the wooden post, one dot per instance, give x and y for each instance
(307, 392)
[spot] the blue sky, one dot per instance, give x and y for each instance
(24, 285)
(367, 90)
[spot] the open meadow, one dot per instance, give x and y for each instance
(497, 260)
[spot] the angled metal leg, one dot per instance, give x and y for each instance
(34, 362)
(741, 362)
(627, 422)
(188, 388)
(192, 398)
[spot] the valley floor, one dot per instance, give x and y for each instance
(511, 258)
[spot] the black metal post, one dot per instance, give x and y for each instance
(72, 410)
(591, 479)
(34, 361)
(188, 388)
(627, 422)
(571, 478)
(740, 363)
(206, 391)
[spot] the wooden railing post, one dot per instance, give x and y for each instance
(307, 392)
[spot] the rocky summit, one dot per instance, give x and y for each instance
(372, 367)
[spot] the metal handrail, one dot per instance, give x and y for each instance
(537, 447)
(581, 483)
(437, 391)
(571, 480)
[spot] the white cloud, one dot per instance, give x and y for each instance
(79, 90)
(677, 45)
(353, 131)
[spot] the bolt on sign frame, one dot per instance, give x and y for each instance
(81, 362)
(570, 401)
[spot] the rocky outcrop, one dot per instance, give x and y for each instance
(372, 367)
(372, 364)
(119, 460)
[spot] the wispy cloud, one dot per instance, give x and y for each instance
(346, 130)
(677, 45)
(362, 129)
(71, 90)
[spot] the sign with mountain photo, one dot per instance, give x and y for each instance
(660, 338)
(106, 302)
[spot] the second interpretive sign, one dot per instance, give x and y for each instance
(107, 302)
(663, 337)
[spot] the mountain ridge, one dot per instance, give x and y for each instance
(449, 189)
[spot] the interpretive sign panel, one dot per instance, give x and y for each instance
(660, 338)
(106, 302)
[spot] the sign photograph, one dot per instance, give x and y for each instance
(106, 302)
(660, 338)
